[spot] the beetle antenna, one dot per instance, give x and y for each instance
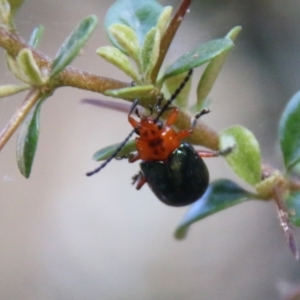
(159, 100)
(134, 106)
(174, 96)
(114, 154)
(202, 112)
(137, 112)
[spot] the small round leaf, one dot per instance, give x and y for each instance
(15, 5)
(213, 69)
(221, 194)
(4, 11)
(72, 45)
(28, 65)
(127, 38)
(147, 48)
(12, 89)
(198, 56)
(245, 158)
(293, 206)
(28, 139)
(15, 68)
(119, 59)
(36, 36)
(139, 15)
(106, 152)
(164, 19)
(131, 92)
(150, 52)
(289, 132)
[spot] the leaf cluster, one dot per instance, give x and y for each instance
(141, 33)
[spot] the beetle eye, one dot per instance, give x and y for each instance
(159, 125)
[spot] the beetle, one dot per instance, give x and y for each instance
(173, 169)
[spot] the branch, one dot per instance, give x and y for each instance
(73, 77)
(32, 98)
(169, 35)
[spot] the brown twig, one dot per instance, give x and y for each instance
(169, 35)
(73, 77)
(15, 121)
(202, 134)
(13, 44)
(284, 220)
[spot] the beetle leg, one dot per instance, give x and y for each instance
(207, 153)
(182, 134)
(134, 123)
(134, 157)
(138, 179)
(185, 133)
(202, 112)
(171, 119)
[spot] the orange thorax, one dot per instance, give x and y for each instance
(155, 142)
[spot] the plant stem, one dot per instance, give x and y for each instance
(73, 77)
(294, 184)
(87, 81)
(202, 134)
(13, 44)
(16, 120)
(169, 35)
(284, 220)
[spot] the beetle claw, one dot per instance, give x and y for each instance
(138, 179)
(227, 150)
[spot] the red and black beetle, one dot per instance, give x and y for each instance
(173, 169)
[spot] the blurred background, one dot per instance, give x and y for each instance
(66, 236)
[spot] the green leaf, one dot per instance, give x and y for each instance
(199, 106)
(265, 189)
(150, 52)
(140, 16)
(131, 92)
(289, 132)
(245, 158)
(153, 53)
(213, 69)
(106, 152)
(28, 65)
(293, 206)
(147, 48)
(15, 68)
(164, 19)
(12, 89)
(72, 45)
(128, 40)
(198, 56)
(296, 169)
(221, 194)
(4, 11)
(36, 36)
(15, 5)
(120, 60)
(28, 139)
(172, 83)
